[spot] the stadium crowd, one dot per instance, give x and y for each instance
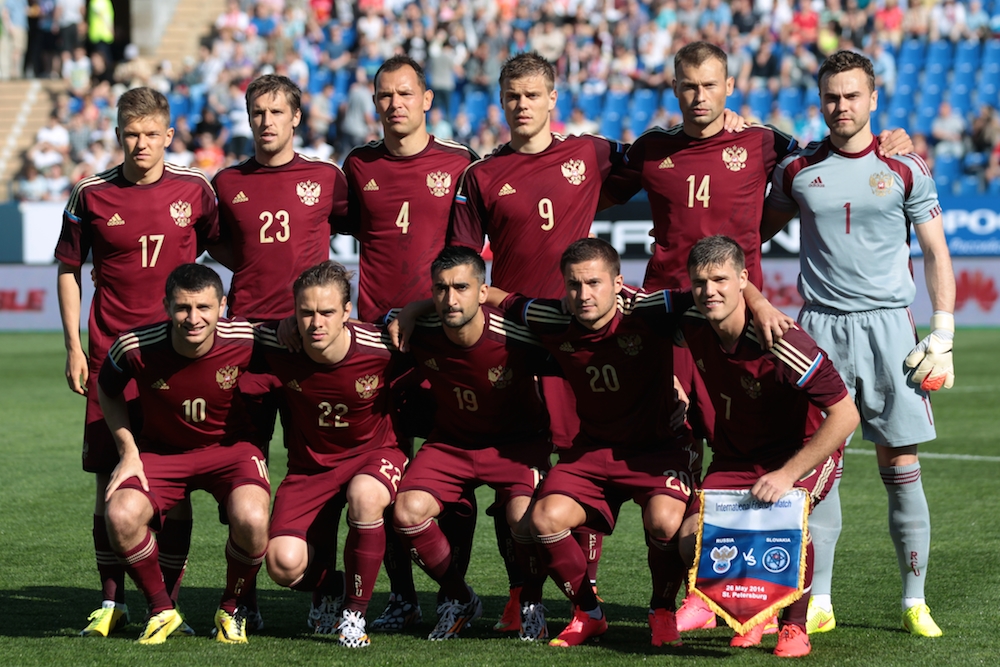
(613, 62)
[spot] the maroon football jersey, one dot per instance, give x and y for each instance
(485, 394)
(622, 374)
(402, 205)
(138, 235)
(186, 403)
(278, 222)
(337, 410)
(698, 188)
(767, 403)
(532, 207)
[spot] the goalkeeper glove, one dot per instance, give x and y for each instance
(931, 358)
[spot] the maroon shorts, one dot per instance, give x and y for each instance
(217, 469)
(602, 479)
(560, 402)
(730, 474)
(449, 473)
(308, 503)
(100, 453)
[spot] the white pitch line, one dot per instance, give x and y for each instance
(933, 455)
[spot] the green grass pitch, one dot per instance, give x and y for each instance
(48, 579)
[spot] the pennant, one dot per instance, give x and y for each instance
(750, 559)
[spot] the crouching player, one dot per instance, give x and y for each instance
(490, 427)
(195, 435)
(770, 434)
(619, 365)
(341, 447)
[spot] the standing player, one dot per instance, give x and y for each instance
(533, 196)
(857, 208)
(277, 211)
(140, 219)
(196, 434)
(481, 368)
(341, 447)
(703, 180)
(402, 189)
(771, 434)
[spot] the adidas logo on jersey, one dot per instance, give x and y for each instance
(566, 347)
(160, 384)
(667, 164)
(240, 198)
(506, 190)
(116, 221)
(432, 364)
(817, 183)
(371, 186)
(294, 385)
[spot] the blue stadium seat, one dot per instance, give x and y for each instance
(611, 125)
(454, 102)
(180, 105)
(669, 101)
(564, 103)
(991, 53)
(939, 55)
(960, 99)
(934, 82)
(975, 162)
(966, 57)
(899, 115)
(591, 105)
(968, 186)
(790, 101)
(644, 100)
(911, 56)
(616, 102)
(964, 79)
(342, 80)
(993, 187)
(735, 101)
(638, 121)
(989, 90)
(760, 102)
(948, 166)
(318, 78)
(476, 103)
(907, 83)
(925, 117)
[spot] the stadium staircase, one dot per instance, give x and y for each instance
(191, 23)
(24, 106)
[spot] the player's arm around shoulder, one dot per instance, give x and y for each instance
(779, 207)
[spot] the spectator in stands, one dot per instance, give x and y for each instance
(812, 127)
(101, 29)
(31, 186)
(578, 123)
(178, 152)
(889, 23)
(985, 129)
(992, 174)
(13, 38)
(69, 19)
(233, 19)
(209, 156)
(439, 126)
(947, 21)
(948, 132)
(56, 183)
(799, 66)
(884, 66)
(357, 123)
(977, 21)
(765, 70)
(442, 65)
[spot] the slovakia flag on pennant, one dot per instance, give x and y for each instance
(750, 560)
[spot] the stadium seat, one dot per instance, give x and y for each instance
(319, 77)
(342, 80)
(180, 105)
(899, 115)
(974, 162)
(948, 166)
(644, 100)
(944, 184)
(988, 91)
(669, 101)
(966, 57)
(960, 98)
(993, 187)
(924, 119)
(907, 84)
(616, 102)
(991, 53)
(939, 57)
(968, 186)
(760, 102)
(611, 125)
(735, 101)
(591, 105)
(476, 103)
(638, 121)
(934, 82)
(564, 103)
(911, 56)
(790, 101)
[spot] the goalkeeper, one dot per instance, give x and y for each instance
(857, 209)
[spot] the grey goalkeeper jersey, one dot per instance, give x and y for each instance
(856, 210)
